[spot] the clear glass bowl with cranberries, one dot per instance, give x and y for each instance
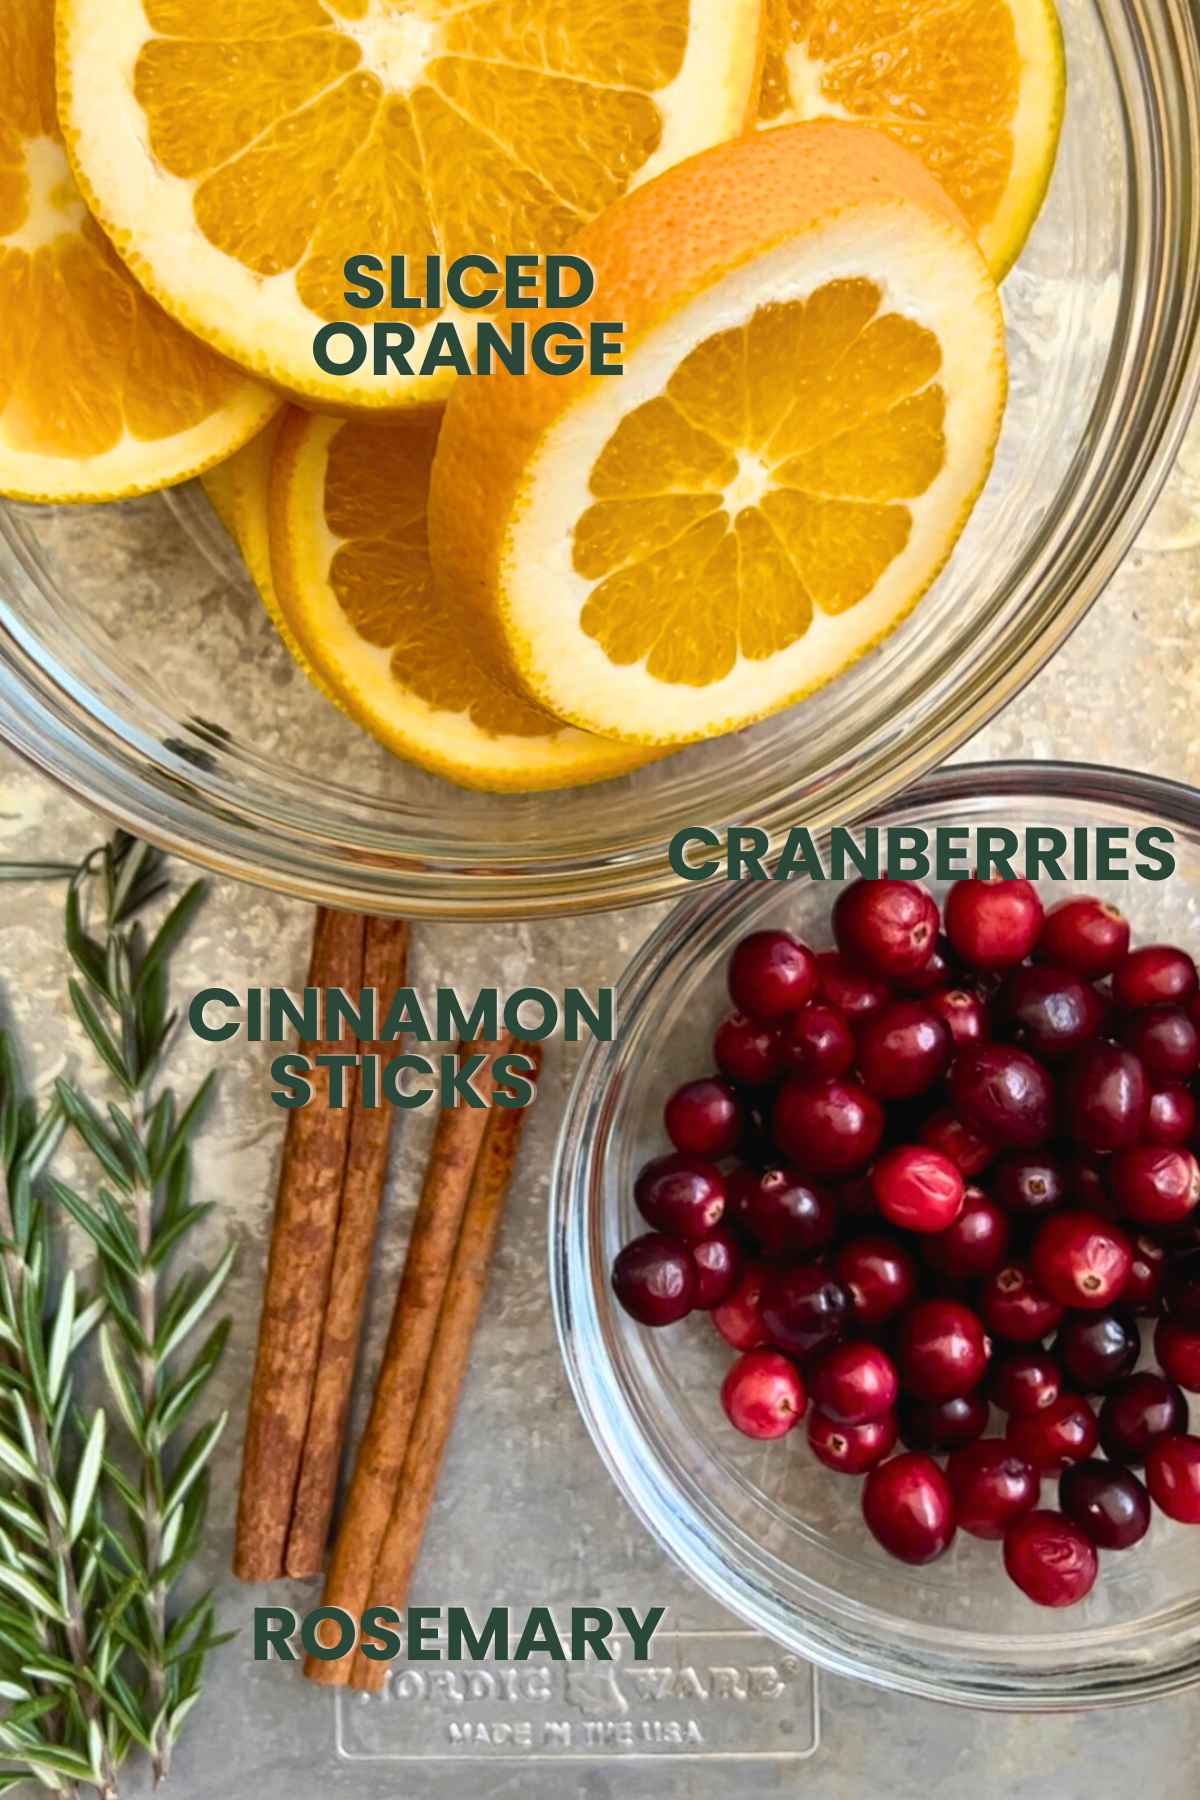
(876, 1256)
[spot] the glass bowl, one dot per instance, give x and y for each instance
(137, 667)
(774, 1536)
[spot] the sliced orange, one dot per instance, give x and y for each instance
(975, 88)
(239, 151)
(814, 383)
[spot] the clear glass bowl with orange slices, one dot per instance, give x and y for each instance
(258, 668)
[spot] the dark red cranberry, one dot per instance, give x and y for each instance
(942, 1349)
(1170, 1117)
(1109, 1504)
(1173, 1477)
(992, 1486)
(681, 1195)
(908, 1508)
(738, 1318)
(1003, 1094)
(1061, 1433)
(763, 1394)
(1156, 1186)
(1143, 1290)
(1029, 1183)
(963, 1014)
(1106, 1096)
(918, 1189)
(1084, 934)
(1157, 974)
(703, 1118)
(942, 1425)
(890, 927)
(1165, 1041)
(1140, 1409)
(1052, 1011)
(719, 1262)
(771, 973)
(993, 924)
(1049, 1558)
(816, 1042)
(1081, 1260)
(854, 1383)
(1014, 1305)
(746, 1051)
(804, 1308)
(851, 1449)
(1097, 1348)
(879, 1275)
(654, 1278)
(782, 1212)
(851, 990)
(949, 1135)
(975, 1244)
(827, 1127)
(1177, 1352)
(941, 971)
(1181, 1288)
(1026, 1382)
(902, 1050)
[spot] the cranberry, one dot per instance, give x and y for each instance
(1156, 974)
(1173, 1477)
(1181, 1290)
(992, 1486)
(1052, 1010)
(747, 1051)
(827, 1127)
(1177, 1352)
(942, 1348)
(1170, 1117)
(941, 971)
(879, 1276)
(1049, 1558)
(1061, 1433)
(853, 991)
(976, 1243)
(1003, 1094)
(804, 1308)
(739, 1317)
(654, 1278)
(681, 1195)
(1109, 1504)
(963, 1014)
(902, 1050)
(890, 927)
(993, 924)
(771, 973)
(1026, 1382)
(1156, 1186)
(783, 1212)
(1014, 1306)
(851, 1449)
(944, 1132)
(1097, 1348)
(908, 1508)
(1107, 1096)
(763, 1394)
(1140, 1409)
(854, 1383)
(918, 1189)
(1085, 934)
(1165, 1041)
(718, 1260)
(1080, 1260)
(816, 1042)
(1143, 1289)
(703, 1117)
(941, 1425)
(1029, 1183)
(1086, 1180)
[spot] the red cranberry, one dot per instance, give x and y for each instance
(992, 1486)
(890, 927)
(1173, 1477)
(718, 1260)
(976, 1243)
(1170, 1117)
(1156, 1186)
(1165, 1041)
(1003, 1094)
(1080, 1260)
(942, 1348)
(763, 1394)
(1085, 934)
(1016, 1307)
(908, 1508)
(771, 973)
(1177, 1352)
(949, 1135)
(942, 1425)
(681, 1195)
(1026, 1382)
(1140, 1409)
(654, 1278)
(1106, 1097)
(739, 1317)
(1156, 974)
(941, 971)
(804, 1308)
(816, 1042)
(1109, 1504)
(1049, 1558)
(854, 1383)
(918, 1189)
(879, 1275)
(851, 1449)
(1029, 1183)
(1181, 1288)
(785, 1214)
(746, 1051)
(827, 1127)
(703, 1118)
(1097, 1348)
(852, 991)
(1052, 1010)
(963, 1014)
(993, 924)
(902, 1050)
(1142, 1292)
(1061, 1433)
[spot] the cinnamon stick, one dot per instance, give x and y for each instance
(456, 1143)
(385, 968)
(306, 1214)
(444, 1375)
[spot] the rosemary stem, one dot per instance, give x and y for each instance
(156, 1599)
